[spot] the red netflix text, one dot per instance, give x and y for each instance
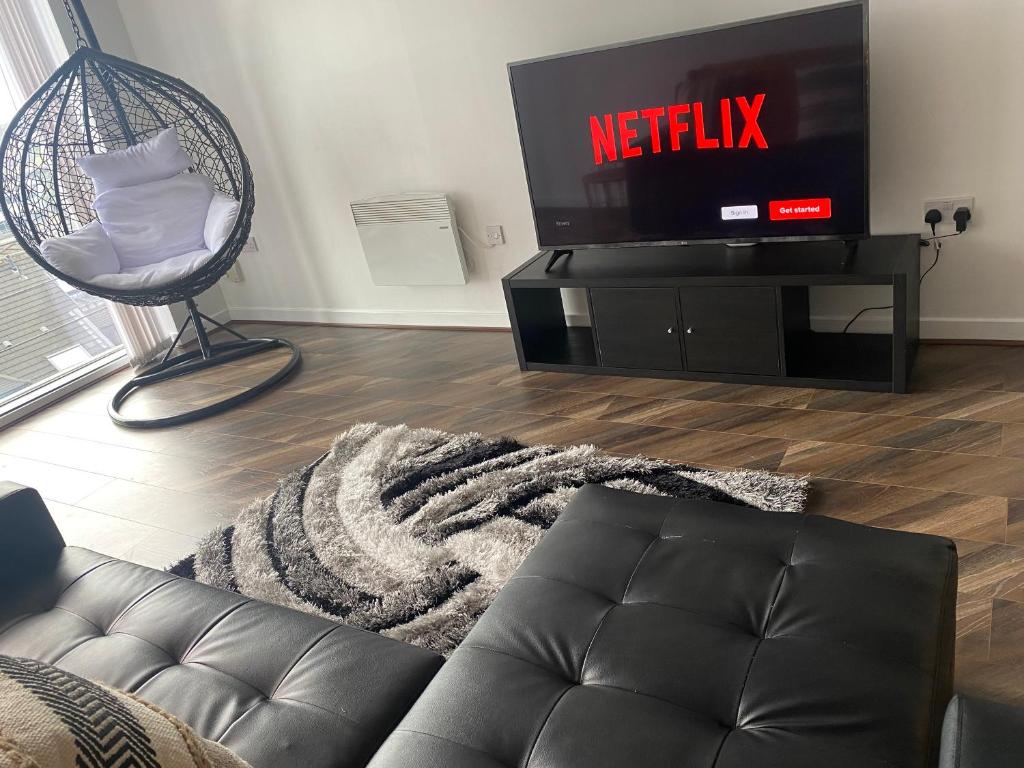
(614, 136)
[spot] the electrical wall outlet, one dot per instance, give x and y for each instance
(495, 235)
(235, 273)
(946, 206)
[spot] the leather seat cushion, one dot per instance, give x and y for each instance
(274, 686)
(648, 631)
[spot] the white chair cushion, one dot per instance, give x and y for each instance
(156, 224)
(158, 158)
(153, 222)
(82, 254)
(155, 275)
(220, 220)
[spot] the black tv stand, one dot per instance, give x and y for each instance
(555, 256)
(710, 312)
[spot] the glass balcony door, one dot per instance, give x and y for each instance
(51, 335)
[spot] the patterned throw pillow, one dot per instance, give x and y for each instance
(50, 718)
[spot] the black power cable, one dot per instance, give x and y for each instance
(866, 309)
(938, 252)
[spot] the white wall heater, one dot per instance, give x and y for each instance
(410, 239)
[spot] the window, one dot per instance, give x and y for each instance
(50, 333)
(70, 358)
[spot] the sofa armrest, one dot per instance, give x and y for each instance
(981, 734)
(29, 539)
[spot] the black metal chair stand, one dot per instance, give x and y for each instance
(209, 355)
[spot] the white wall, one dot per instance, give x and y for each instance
(340, 99)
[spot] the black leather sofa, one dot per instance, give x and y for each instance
(645, 631)
(642, 631)
(277, 687)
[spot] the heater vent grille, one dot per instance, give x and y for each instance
(410, 239)
(394, 209)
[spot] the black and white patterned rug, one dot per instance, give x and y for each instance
(411, 532)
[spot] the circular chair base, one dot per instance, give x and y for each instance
(190, 362)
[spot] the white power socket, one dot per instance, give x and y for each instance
(947, 206)
(495, 235)
(234, 274)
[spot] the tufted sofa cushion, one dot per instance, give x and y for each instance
(274, 686)
(647, 631)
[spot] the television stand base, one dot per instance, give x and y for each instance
(555, 256)
(706, 312)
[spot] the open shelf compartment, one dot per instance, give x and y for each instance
(828, 355)
(544, 330)
(855, 357)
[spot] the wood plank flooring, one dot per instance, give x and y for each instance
(947, 459)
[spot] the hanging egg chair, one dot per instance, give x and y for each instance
(96, 171)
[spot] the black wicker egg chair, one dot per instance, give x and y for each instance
(97, 103)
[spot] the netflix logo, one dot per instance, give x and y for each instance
(613, 136)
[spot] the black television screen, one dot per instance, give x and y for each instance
(741, 133)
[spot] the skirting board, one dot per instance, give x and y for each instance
(404, 317)
(974, 329)
(967, 328)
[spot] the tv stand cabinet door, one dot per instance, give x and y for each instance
(637, 328)
(731, 330)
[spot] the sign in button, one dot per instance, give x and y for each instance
(811, 208)
(734, 212)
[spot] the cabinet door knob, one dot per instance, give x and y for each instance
(670, 329)
(690, 329)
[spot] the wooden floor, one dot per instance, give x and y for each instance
(946, 459)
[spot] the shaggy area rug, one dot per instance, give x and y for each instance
(411, 532)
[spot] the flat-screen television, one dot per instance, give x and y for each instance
(739, 133)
